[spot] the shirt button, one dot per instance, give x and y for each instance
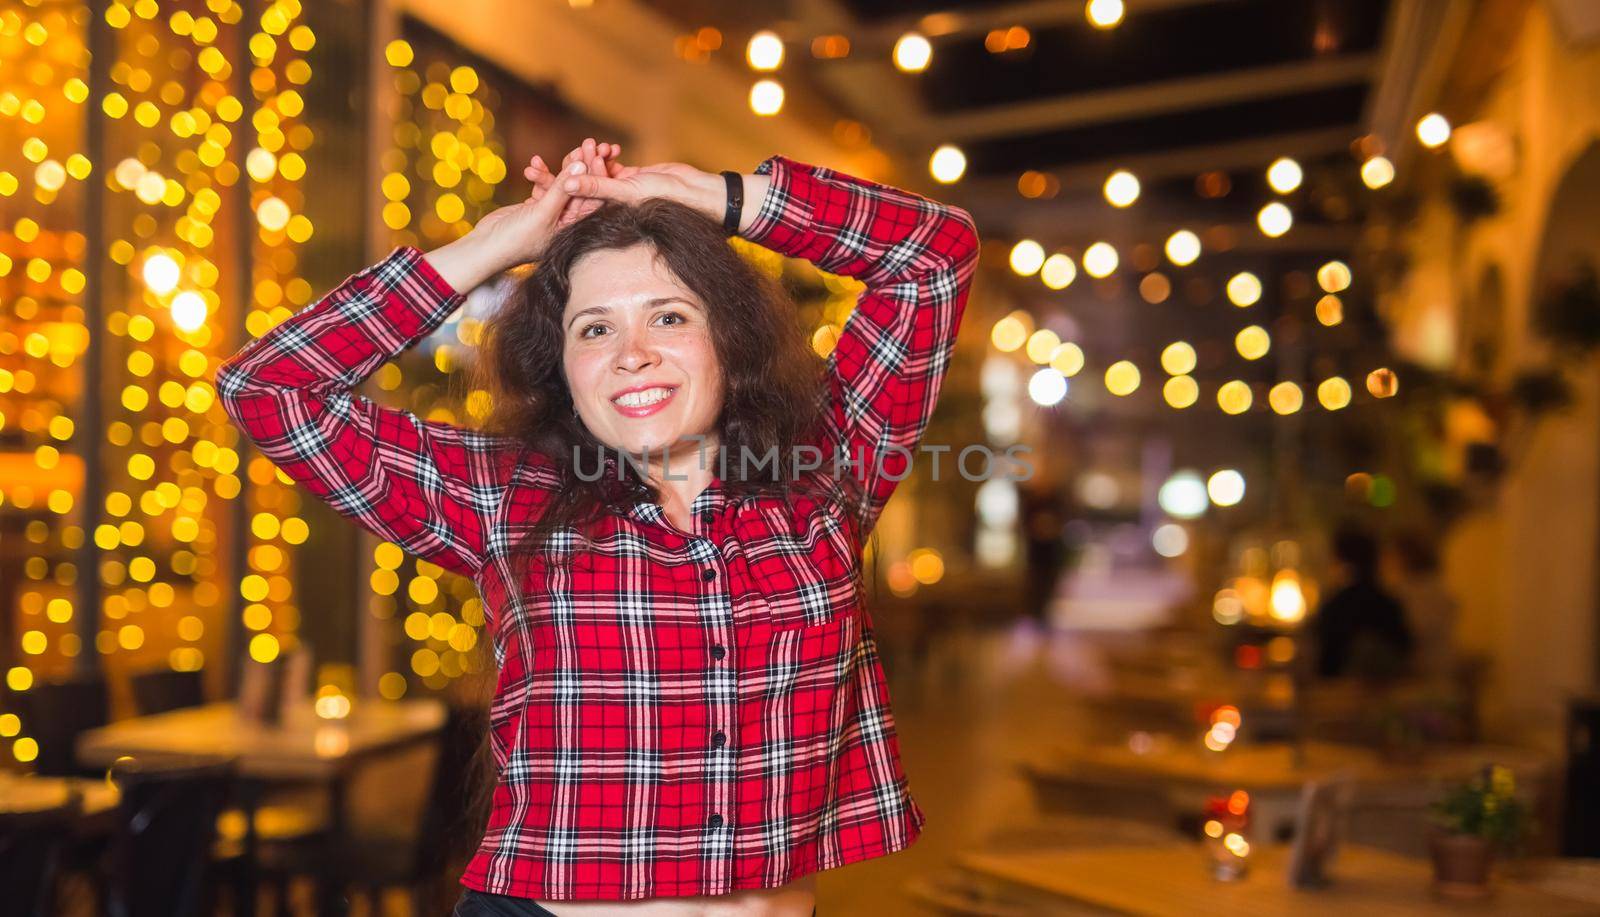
(708, 574)
(716, 821)
(708, 517)
(718, 651)
(718, 740)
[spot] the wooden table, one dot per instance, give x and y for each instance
(302, 747)
(1185, 773)
(1266, 766)
(1173, 879)
(19, 794)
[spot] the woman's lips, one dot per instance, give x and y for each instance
(644, 410)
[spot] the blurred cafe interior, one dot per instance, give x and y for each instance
(1292, 307)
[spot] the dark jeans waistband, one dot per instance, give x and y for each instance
(474, 903)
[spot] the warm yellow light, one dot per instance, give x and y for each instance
(1334, 276)
(824, 339)
(1027, 256)
(1009, 333)
(1122, 188)
(1288, 602)
(1047, 387)
(912, 53)
(1100, 259)
(1377, 172)
(1382, 383)
(1285, 398)
(1252, 342)
(947, 164)
(926, 565)
(1244, 289)
(1284, 175)
(1225, 487)
(1330, 310)
(151, 187)
(263, 647)
(766, 97)
(464, 79)
(50, 175)
(189, 311)
(1042, 345)
(1433, 130)
(1274, 219)
(1058, 271)
(1234, 397)
(272, 213)
(765, 50)
(261, 164)
(1183, 247)
(1103, 14)
(1178, 358)
(1333, 393)
(1181, 391)
(161, 273)
(398, 53)
(1068, 359)
(1122, 378)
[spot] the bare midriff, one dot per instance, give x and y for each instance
(797, 899)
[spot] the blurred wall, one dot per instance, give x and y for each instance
(1524, 569)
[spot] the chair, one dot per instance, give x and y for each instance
(160, 854)
(162, 690)
(411, 856)
(56, 713)
(31, 845)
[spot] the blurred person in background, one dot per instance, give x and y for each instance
(1360, 628)
(1412, 572)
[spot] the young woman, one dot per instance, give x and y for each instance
(664, 515)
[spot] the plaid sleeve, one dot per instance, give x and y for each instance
(917, 258)
(430, 487)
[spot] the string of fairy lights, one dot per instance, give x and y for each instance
(913, 53)
(181, 113)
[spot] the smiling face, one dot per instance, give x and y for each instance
(638, 354)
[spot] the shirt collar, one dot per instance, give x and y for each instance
(713, 499)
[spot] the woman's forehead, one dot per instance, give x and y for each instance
(623, 277)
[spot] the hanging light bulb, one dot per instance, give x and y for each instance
(766, 97)
(765, 50)
(947, 164)
(912, 53)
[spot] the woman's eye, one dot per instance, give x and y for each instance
(587, 329)
(676, 315)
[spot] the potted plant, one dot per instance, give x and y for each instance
(1474, 821)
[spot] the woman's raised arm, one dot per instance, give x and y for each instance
(430, 487)
(917, 258)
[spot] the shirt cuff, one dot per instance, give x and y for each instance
(786, 210)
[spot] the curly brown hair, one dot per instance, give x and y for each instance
(772, 379)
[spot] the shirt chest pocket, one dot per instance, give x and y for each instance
(805, 581)
(810, 604)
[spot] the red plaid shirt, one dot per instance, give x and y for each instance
(677, 712)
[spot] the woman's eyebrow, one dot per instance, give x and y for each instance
(592, 310)
(650, 303)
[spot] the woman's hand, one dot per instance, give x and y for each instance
(599, 158)
(504, 238)
(676, 181)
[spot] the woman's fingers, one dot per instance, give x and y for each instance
(602, 187)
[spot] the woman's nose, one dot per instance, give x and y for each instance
(635, 353)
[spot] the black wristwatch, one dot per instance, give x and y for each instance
(730, 217)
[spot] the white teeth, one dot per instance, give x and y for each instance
(640, 399)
